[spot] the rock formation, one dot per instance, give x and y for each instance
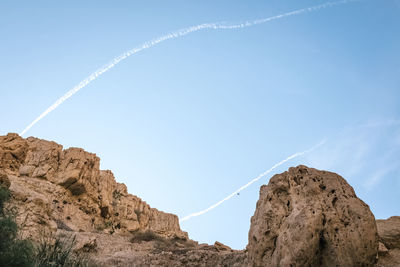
(389, 245)
(306, 217)
(65, 189)
(65, 192)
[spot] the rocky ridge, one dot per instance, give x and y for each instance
(65, 189)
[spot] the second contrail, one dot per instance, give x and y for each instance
(298, 154)
(173, 35)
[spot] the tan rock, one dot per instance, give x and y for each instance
(221, 247)
(389, 232)
(87, 245)
(115, 250)
(42, 159)
(13, 149)
(65, 188)
(390, 259)
(79, 172)
(107, 192)
(307, 217)
(382, 250)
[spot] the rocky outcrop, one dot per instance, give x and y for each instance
(389, 232)
(13, 151)
(307, 217)
(65, 189)
(221, 247)
(389, 245)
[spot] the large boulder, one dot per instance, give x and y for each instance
(307, 217)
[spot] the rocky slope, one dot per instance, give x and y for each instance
(304, 217)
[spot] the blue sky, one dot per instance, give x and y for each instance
(190, 120)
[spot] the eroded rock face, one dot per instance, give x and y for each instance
(65, 189)
(389, 232)
(13, 151)
(42, 159)
(389, 245)
(307, 217)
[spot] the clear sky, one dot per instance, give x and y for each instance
(187, 122)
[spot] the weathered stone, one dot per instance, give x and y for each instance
(13, 149)
(114, 250)
(107, 190)
(26, 170)
(389, 259)
(73, 192)
(42, 159)
(79, 172)
(389, 245)
(307, 217)
(389, 232)
(382, 250)
(221, 247)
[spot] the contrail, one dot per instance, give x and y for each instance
(298, 154)
(173, 35)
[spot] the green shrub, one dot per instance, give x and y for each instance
(13, 251)
(53, 251)
(8, 231)
(4, 196)
(57, 251)
(18, 253)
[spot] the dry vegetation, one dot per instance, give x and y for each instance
(49, 251)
